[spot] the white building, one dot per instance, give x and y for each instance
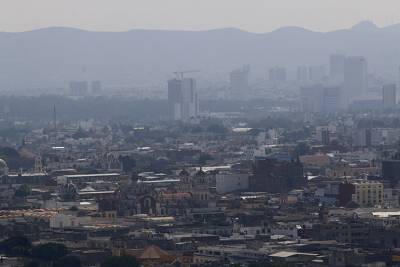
(355, 76)
(183, 99)
(239, 80)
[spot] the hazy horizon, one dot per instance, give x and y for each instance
(258, 16)
(372, 23)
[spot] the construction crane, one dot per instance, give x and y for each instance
(179, 74)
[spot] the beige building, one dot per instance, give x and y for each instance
(368, 193)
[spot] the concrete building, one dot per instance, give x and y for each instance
(78, 88)
(303, 74)
(364, 193)
(322, 134)
(333, 99)
(312, 98)
(277, 75)
(368, 193)
(239, 81)
(228, 182)
(276, 176)
(355, 76)
(96, 87)
(389, 96)
(391, 170)
(68, 220)
(321, 99)
(372, 137)
(183, 99)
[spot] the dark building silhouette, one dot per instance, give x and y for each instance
(391, 170)
(346, 191)
(274, 176)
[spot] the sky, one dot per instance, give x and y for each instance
(249, 15)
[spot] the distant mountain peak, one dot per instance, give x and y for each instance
(365, 26)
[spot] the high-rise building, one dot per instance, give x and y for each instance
(333, 99)
(373, 137)
(78, 88)
(277, 74)
(391, 170)
(355, 76)
(398, 77)
(303, 74)
(322, 135)
(311, 98)
(336, 67)
(321, 99)
(239, 80)
(276, 176)
(389, 96)
(96, 87)
(182, 99)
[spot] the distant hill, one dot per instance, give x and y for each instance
(54, 56)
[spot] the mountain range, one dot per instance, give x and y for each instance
(52, 57)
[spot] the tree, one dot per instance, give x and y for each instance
(16, 246)
(68, 261)
(120, 261)
(49, 251)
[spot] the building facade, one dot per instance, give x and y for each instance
(183, 99)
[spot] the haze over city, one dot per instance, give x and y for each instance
(199, 133)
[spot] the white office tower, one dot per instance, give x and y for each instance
(182, 99)
(336, 67)
(239, 80)
(389, 96)
(355, 77)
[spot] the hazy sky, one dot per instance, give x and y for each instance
(251, 15)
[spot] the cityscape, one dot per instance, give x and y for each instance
(199, 148)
